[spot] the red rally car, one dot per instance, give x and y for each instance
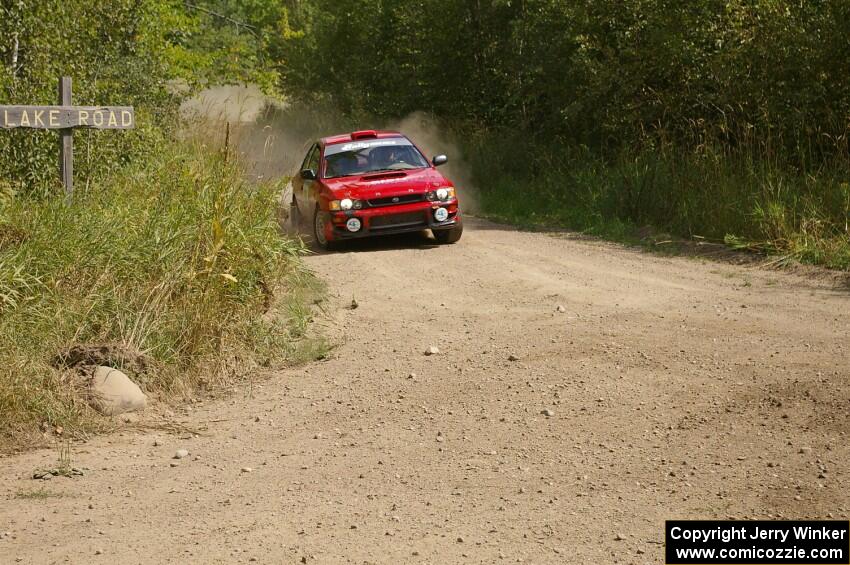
(370, 183)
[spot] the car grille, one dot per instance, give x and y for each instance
(393, 200)
(397, 221)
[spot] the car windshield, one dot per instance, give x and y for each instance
(372, 156)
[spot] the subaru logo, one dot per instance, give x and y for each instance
(395, 199)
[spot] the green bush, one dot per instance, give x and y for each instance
(118, 52)
(713, 194)
(176, 257)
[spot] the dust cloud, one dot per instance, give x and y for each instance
(245, 118)
(426, 132)
(270, 137)
(235, 104)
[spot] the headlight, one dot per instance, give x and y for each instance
(345, 204)
(446, 193)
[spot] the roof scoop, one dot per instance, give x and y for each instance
(364, 134)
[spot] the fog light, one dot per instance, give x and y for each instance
(441, 214)
(353, 224)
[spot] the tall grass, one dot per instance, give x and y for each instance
(744, 194)
(175, 256)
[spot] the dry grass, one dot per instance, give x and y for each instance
(176, 257)
(738, 196)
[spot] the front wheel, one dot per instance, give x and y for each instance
(449, 236)
(319, 222)
(295, 218)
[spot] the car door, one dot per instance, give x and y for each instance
(305, 189)
(310, 187)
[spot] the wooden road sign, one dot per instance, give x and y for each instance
(65, 118)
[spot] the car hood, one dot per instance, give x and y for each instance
(389, 183)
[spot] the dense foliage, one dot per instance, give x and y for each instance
(596, 72)
(144, 53)
(166, 250)
(115, 51)
(726, 119)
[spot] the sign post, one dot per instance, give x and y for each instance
(66, 118)
(66, 143)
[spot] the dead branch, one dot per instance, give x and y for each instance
(250, 28)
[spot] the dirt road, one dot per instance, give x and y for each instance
(675, 387)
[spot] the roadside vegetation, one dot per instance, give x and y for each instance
(718, 120)
(166, 254)
(175, 257)
(729, 198)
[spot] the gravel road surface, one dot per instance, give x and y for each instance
(582, 394)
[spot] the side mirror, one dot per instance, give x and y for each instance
(440, 160)
(308, 174)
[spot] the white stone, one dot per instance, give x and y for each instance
(113, 393)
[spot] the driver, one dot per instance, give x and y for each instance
(387, 156)
(344, 165)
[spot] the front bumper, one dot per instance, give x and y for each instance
(387, 220)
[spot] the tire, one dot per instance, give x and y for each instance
(285, 209)
(319, 219)
(295, 218)
(447, 237)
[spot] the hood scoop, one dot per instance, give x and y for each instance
(383, 176)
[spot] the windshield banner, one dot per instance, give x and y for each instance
(358, 145)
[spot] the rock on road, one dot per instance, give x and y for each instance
(582, 394)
